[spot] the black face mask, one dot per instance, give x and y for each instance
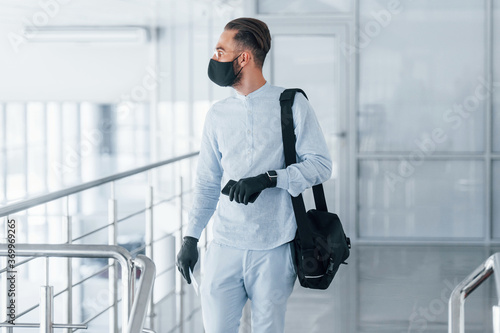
(222, 73)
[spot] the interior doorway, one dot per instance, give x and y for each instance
(310, 57)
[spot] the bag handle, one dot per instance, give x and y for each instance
(286, 101)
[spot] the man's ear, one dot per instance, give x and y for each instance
(245, 58)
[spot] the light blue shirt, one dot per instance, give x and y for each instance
(242, 138)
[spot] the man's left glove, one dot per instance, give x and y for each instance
(187, 256)
(243, 190)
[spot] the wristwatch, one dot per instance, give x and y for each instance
(273, 176)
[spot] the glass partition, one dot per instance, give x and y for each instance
(422, 120)
(416, 76)
(438, 199)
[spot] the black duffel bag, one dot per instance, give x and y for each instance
(320, 244)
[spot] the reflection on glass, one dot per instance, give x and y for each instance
(416, 75)
(397, 288)
(430, 199)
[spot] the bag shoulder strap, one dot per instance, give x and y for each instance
(286, 101)
(287, 98)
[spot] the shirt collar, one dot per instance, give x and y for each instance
(253, 93)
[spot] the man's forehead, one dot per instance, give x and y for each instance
(226, 41)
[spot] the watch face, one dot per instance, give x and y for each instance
(272, 173)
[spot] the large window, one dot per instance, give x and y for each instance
(422, 120)
(47, 146)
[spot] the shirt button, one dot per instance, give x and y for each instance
(248, 131)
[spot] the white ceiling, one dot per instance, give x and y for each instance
(109, 12)
(98, 72)
(66, 71)
(79, 12)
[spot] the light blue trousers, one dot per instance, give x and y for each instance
(232, 276)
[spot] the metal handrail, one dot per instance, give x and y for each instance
(144, 289)
(86, 251)
(456, 318)
(127, 217)
(55, 250)
(29, 203)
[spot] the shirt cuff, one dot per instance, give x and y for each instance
(193, 231)
(282, 181)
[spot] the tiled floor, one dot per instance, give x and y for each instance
(395, 289)
(392, 289)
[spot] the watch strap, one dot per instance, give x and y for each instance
(273, 177)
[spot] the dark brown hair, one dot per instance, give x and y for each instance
(252, 34)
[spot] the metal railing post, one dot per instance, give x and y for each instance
(113, 269)
(496, 266)
(46, 309)
(145, 288)
(181, 284)
(149, 240)
(69, 268)
(496, 308)
(496, 319)
(46, 303)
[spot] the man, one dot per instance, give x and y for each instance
(249, 257)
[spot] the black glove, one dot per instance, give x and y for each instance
(246, 187)
(187, 256)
